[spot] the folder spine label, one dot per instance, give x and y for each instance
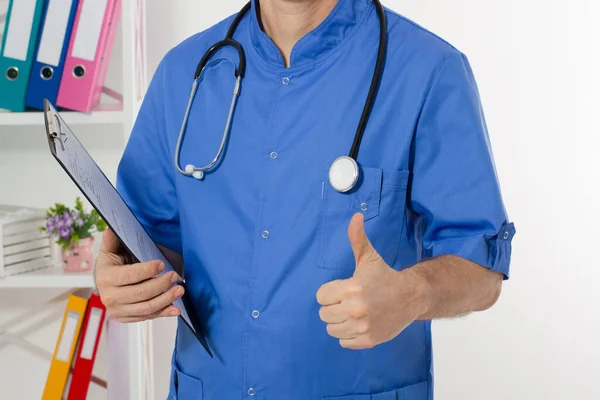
(54, 32)
(67, 336)
(19, 29)
(91, 333)
(89, 29)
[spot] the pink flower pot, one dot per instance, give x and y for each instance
(79, 257)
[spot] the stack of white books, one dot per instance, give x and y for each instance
(23, 246)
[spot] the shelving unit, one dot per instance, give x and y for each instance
(73, 118)
(129, 345)
(54, 278)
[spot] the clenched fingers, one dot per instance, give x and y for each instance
(121, 295)
(123, 275)
(331, 292)
(349, 329)
(358, 343)
(149, 307)
(335, 314)
(170, 311)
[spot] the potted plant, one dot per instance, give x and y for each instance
(74, 229)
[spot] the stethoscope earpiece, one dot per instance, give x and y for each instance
(199, 175)
(190, 170)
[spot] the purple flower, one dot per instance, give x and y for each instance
(76, 219)
(65, 233)
(60, 222)
(50, 224)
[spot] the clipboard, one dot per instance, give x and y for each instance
(102, 195)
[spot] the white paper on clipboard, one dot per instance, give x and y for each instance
(100, 192)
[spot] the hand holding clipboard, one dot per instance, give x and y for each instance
(127, 287)
(102, 195)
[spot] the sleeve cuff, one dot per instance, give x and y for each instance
(493, 252)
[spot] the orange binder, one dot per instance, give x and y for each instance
(65, 348)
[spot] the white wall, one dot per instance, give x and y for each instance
(535, 62)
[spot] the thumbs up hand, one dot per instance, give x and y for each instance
(376, 304)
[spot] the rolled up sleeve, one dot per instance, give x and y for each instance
(145, 177)
(455, 190)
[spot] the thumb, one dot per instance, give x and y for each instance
(110, 242)
(112, 251)
(361, 246)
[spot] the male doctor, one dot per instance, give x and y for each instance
(306, 292)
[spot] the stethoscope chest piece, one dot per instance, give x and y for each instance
(343, 174)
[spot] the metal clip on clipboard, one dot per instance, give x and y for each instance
(61, 136)
(102, 195)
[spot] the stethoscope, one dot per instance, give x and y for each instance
(344, 171)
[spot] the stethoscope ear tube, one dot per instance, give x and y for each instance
(184, 126)
(240, 70)
(375, 82)
(191, 170)
(344, 171)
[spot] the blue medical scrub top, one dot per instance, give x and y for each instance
(263, 231)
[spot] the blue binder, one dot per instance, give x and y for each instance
(52, 46)
(18, 50)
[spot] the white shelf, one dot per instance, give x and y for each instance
(34, 118)
(54, 277)
(130, 352)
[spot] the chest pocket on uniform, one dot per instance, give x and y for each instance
(381, 197)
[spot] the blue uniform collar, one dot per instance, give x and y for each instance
(343, 20)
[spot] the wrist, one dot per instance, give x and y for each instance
(421, 289)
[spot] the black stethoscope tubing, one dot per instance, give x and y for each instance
(241, 71)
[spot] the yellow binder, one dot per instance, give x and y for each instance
(65, 348)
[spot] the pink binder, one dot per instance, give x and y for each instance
(88, 56)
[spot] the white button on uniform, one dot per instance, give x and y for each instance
(285, 80)
(255, 314)
(274, 155)
(505, 235)
(364, 206)
(265, 234)
(251, 392)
